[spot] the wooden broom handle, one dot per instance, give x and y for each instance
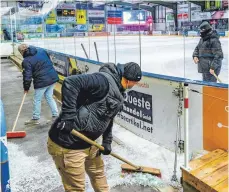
(217, 77)
(81, 136)
(19, 111)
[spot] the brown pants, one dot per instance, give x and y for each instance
(72, 164)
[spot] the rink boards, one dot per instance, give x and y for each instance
(151, 108)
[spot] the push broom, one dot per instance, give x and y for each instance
(128, 167)
(13, 133)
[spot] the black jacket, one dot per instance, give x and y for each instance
(7, 35)
(38, 66)
(209, 52)
(81, 93)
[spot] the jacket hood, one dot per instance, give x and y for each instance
(114, 71)
(211, 34)
(31, 51)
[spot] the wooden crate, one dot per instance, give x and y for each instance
(208, 173)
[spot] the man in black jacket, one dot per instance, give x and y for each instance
(38, 67)
(208, 53)
(89, 104)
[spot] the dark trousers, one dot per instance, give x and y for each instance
(209, 77)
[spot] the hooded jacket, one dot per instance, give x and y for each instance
(209, 52)
(89, 104)
(38, 67)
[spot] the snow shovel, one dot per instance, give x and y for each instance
(17, 134)
(125, 167)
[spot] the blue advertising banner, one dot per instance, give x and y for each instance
(96, 20)
(35, 5)
(54, 28)
(96, 6)
(82, 6)
(90, 6)
(114, 14)
(32, 21)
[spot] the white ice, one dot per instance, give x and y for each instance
(159, 54)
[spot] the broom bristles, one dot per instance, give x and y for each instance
(16, 134)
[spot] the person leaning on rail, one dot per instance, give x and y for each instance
(208, 53)
(89, 104)
(38, 67)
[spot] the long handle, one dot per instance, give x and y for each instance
(15, 122)
(84, 50)
(96, 51)
(217, 77)
(81, 136)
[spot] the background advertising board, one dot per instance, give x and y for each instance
(225, 4)
(83, 6)
(81, 16)
(51, 18)
(114, 17)
(31, 28)
(96, 6)
(32, 21)
(54, 28)
(183, 12)
(134, 17)
(96, 13)
(212, 5)
(197, 16)
(81, 27)
(96, 27)
(96, 20)
(28, 7)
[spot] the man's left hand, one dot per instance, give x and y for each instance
(212, 71)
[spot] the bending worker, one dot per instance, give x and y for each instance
(89, 104)
(38, 67)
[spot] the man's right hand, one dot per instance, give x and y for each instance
(196, 60)
(25, 92)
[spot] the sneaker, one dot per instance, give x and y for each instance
(32, 122)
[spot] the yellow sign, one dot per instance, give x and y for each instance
(211, 5)
(96, 27)
(81, 17)
(51, 19)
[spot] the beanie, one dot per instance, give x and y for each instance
(205, 26)
(132, 71)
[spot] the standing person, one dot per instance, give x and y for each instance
(38, 67)
(89, 104)
(7, 35)
(208, 53)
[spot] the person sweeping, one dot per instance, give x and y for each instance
(89, 104)
(38, 67)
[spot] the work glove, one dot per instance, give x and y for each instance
(66, 126)
(107, 149)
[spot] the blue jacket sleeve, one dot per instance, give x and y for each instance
(27, 75)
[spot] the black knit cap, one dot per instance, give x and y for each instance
(205, 26)
(132, 71)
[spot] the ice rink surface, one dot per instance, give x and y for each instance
(159, 54)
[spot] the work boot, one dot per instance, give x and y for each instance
(32, 122)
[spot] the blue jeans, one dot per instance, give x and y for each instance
(48, 92)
